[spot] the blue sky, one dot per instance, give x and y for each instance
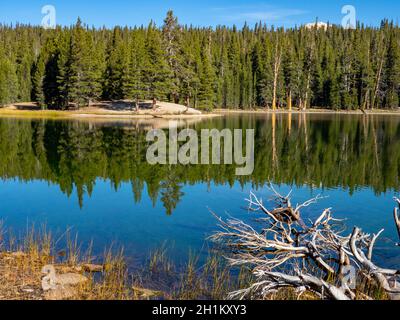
(203, 13)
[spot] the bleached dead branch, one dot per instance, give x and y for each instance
(397, 217)
(285, 252)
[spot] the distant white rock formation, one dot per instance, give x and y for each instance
(318, 25)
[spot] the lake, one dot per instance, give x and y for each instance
(93, 177)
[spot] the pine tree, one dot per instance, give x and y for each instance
(117, 52)
(171, 37)
(264, 73)
(189, 78)
(132, 77)
(81, 77)
(23, 72)
(392, 73)
(38, 75)
(156, 72)
(206, 86)
(8, 81)
(53, 80)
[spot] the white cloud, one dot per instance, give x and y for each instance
(257, 13)
(268, 15)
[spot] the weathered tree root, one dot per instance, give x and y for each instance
(314, 256)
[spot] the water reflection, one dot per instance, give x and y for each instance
(327, 151)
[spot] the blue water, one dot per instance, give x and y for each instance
(111, 217)
(75, 176)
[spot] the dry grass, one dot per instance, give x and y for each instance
(22, 259)
(309, 111)
(48, 114)
(19, 277)
(207, 278)
(21, 262)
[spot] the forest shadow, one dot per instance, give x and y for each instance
(122, 105)
(26, 107)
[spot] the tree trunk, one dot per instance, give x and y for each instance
(307, 91)
(137, 105)
(378, 81)
(290, 100)
(277, 65)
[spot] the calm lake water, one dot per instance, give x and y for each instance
(93, 177)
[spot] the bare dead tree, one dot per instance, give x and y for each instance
(277, 66)
(314, 255)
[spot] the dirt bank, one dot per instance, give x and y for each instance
(108, 110)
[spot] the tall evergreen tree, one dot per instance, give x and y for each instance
(171, 32)
(116, 53)
(392, 73)
(133, 68)
(8, 81)
(207, 77)
(81, 81)
(156, 71)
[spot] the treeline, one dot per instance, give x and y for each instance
(202, 67)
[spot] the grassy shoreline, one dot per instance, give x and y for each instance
(309, 111)
(108, 276)
(87, 114)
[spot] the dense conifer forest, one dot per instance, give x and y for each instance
(222, 67)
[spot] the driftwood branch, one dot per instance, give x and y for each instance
(397, 218)
(285, 252)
